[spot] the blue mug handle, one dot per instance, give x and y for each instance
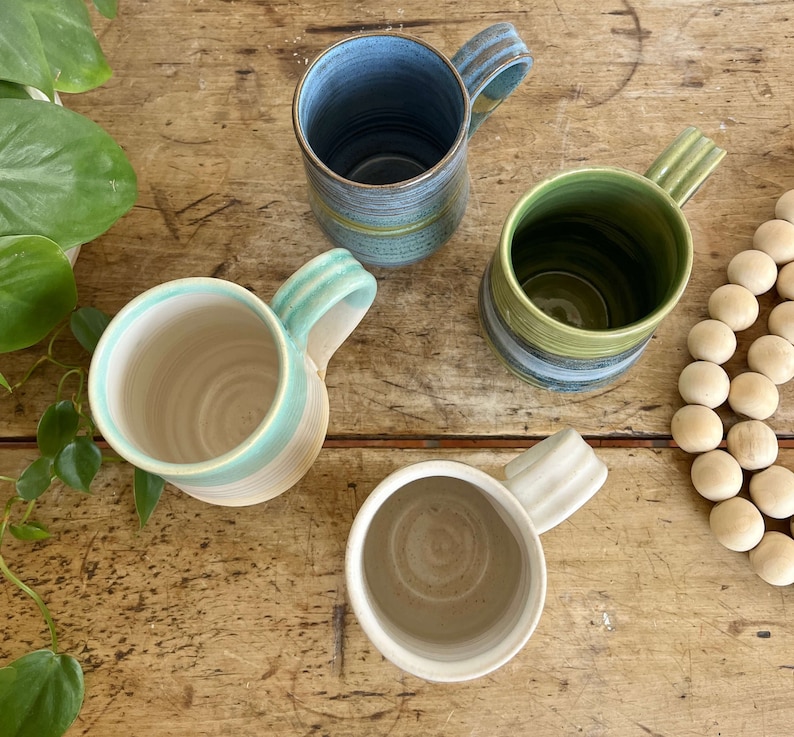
(492, 64)
(323, 302)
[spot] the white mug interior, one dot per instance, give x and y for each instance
(445, 571)
(193, 377)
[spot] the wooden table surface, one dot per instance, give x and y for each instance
(234, 622)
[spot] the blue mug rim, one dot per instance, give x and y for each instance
(461, 137)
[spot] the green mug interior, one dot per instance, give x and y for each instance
(595, 258)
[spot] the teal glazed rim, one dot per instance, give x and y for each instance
(233, 461)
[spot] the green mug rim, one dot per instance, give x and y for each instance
(610, 341)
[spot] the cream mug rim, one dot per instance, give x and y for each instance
(449, 670)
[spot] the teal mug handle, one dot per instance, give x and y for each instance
(685, 164)
(322, 303)
(492, 64)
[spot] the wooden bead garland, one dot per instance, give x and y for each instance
(751, 445)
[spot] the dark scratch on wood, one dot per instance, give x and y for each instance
(338, 658)
(84, 573)
(649, 731)
(184, 141)
(161, 200)
(229, 204)
(194, 203)
(396, 25)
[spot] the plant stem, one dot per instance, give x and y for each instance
(27, 514)
(22, 586)
(81, 375)
(29, 373)
(4, 569)
(49, 358)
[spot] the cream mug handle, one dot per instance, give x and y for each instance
(323, 301)
(555, 477)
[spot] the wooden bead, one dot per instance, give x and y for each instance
(716, 475)
(753, 444)
(785, 281)
(753, 395)
(755, 270)
(704, 382)
(772, 490)
(737, 524)
(696, 429)
(773, 357)
(711, 340)
(773, 559)
(776, 238)
(735, 305)
(784, 207)
(781, 321)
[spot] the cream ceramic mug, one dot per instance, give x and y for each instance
(200, 382)
(444, 566)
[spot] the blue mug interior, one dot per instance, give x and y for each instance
(381, 109)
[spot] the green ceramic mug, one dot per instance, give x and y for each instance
(590, 261)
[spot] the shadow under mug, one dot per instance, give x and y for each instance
(383, 121)
(200, 382)
(444, 566)
(590, 262)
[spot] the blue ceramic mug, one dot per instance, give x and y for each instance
(199, 381)
(383, 121)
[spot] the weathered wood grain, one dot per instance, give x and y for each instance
(214, 621)
(201, 101)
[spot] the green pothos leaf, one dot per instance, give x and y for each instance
(22, 57)
(57, 427)
(35, 479)
(64, 177)
(12, 89)
(78, 462)
(73, 52)
(108, 8)
(88, 324)
(30, 530)
(41, 694)
(148, 489)
(37, 287)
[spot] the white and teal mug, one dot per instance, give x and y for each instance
(200, 382)
(383, 121)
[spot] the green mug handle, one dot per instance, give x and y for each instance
(323, 301)
(685, 164)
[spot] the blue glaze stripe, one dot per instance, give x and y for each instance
(399, 229)
(543, 369)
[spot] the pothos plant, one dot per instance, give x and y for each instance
(41, 693)
(63, 182)
(63, 179)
